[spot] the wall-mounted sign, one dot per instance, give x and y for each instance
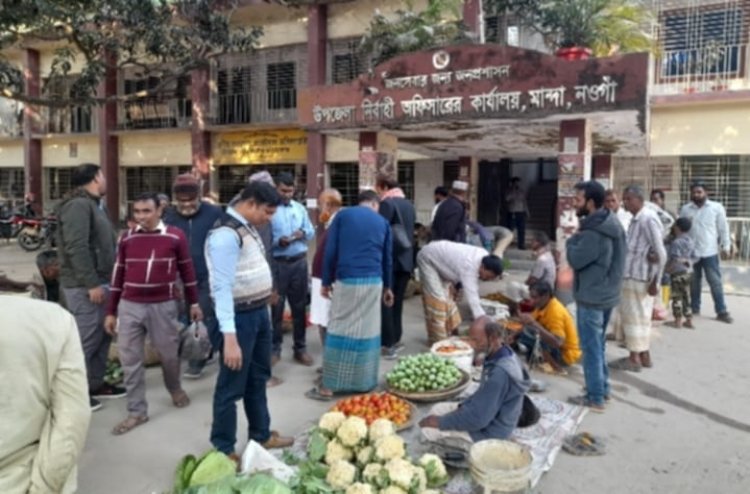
(261, 147)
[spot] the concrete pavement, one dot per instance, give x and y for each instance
(681, 427)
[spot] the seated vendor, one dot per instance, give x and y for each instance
(44, 285)
(553, 325)
(492, 412)
(544, 268)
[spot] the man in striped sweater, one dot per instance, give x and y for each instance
(144, 294)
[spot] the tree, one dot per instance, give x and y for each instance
(161, 39)
(410, 31)
(605, 26)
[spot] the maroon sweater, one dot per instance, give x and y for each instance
(147, 267)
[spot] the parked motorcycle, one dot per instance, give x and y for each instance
(11, 225)
(36, 233)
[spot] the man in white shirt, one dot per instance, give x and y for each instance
(709, 232)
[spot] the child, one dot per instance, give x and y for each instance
(680, 259)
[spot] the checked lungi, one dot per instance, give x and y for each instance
(636, 307)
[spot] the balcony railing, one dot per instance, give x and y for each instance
(11, 123)
(155, 114)
(68, 120)
(255, 107)
(699, 70)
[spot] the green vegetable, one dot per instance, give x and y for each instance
(213, 466)
(183, 473)
(316, 447)
(261, 483)
(424, 372)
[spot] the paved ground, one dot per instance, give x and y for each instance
(681, 427)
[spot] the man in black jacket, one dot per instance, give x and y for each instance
(397, 210)
(450, 219)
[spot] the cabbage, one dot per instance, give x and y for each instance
(214, 466)
(261, 483)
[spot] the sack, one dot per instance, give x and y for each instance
(401, 239)
(530, 414)
(194, 342)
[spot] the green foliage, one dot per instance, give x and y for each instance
(605, 26)
(158, 38)
(411, 31)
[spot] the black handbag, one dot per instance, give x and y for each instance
(401, 239)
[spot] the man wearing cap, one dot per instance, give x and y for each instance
(291, 231)
(195, 218)
(450, 219)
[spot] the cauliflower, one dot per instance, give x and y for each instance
(352, 431)
(400, 472)
(336, 451)
(331, 421)
(375, 474)
(421, 478)
(381, 428)
(393, 490)
(365, 455)
(389, 447)
(341, 474)
(359, 488)
(434, 467)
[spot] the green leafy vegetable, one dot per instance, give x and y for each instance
(316, 447)
(261, 483)
(213, 466)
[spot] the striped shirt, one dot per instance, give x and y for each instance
(149, 265)
(644, 237)
(710, 228)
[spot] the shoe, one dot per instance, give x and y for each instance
(95, 404)
(582, 401)
(399, 346)
(193, 374)
(304, 358)
(237, 461)
(725, 317)
(276, 441)
(388, 353)
(107, 391)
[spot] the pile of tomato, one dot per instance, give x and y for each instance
(375, 406)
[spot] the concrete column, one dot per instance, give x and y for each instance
(377, 156)
(468, 171)
(200, 138)
(473, 18)
(602, 170)
(574, 161)
(317, 36)
(108, 142)
(32, 146)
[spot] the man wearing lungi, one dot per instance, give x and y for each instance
(357, 275)
(144, 292)
(445, 266)
(644, 264)
(329, 202)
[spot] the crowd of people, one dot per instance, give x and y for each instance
(234, 271)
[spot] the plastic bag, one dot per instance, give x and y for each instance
(194, 342)
(256, 458)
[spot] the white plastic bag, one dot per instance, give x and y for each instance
(256, 458)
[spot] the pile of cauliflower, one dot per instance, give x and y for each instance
(373, 460)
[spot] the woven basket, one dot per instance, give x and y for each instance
(433, 396)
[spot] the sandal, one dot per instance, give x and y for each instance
(180, 399)
(625, 364)
(129, 424)
(274, 381)
(583, 444)
(315, 394)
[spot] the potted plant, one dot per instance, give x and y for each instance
(577, 29)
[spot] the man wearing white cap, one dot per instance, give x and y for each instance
(450, 219)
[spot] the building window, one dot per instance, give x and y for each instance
(58, 182)
(450, 173)
(233, 178)
(72, 119)
(344, 177)
(172, 107)
(726, 177)
(281, 85)
(234, 88)
(11, 187)
(702, 42)
(156, 179)
(406, 178)
(346, 67)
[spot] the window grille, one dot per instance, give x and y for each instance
(727, 180)
(281, 85)
(70, 119)
(11, 187)
(234, 87)
(171, 108)
(345, 62)
(156, 179)
(233, 178)
(59, 182)
(345, 178)
(406, 178)
(450, 172)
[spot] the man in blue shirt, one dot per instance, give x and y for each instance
(241, 288)
(291, 231)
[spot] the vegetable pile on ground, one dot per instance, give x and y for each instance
(424, 372)
(216, 473)
(375, 406)
(345, 456)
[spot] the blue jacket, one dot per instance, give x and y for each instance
(597, 255)
(196, 230)
(493, 411)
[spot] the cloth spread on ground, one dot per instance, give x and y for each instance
(351, 356)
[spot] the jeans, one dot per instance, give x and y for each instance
(247, 384)
(713, 275)
(518, 221)
(391, 327)
(592, 324)
(209, 319)
(291, 283)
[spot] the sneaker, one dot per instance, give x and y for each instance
(193, 374)
(107, 391)
(399, 346)
(725, 317)
(389, 353)
(95, 404)
(583, 401)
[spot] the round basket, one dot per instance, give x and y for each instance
(462, 355)
(433, 396)
(501, 466)
(407, 425)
